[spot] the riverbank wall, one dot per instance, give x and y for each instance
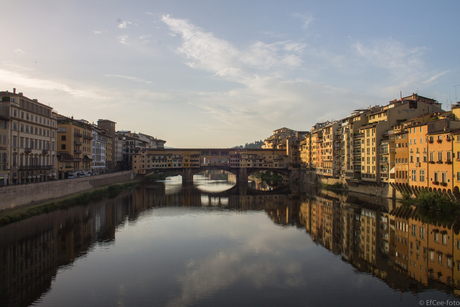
(384, 190)
(28, 194)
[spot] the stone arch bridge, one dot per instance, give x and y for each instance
(188, 162)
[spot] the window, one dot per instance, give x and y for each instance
(439, 155)
(431, 156)
(422, 175)
(444, 238)
(422, 233)
(444, 177)
(63, 137)
(63, 146)
(414, 175)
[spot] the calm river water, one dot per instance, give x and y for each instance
(163, 244)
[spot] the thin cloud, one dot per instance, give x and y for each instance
(435, 77)
(306, 19)
(122, 39)
(43, 84)
(391, 55)
(124, 25)
(130, 78)
(217, 55)
(97, 32)
(19, 51)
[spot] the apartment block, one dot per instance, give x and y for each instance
(4, 146)
(28, 144)
(381, 120)
(74, 146)
(351, 144)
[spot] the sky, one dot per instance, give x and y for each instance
(217, 74)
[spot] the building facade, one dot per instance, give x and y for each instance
(28, 140)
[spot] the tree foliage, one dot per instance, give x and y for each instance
(437, 209)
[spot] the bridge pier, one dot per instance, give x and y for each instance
(187, 176)
(242, 181)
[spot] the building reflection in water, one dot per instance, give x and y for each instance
(383, 238)
(386, 240)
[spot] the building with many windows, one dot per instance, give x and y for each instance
(74, 146)
(28, 140)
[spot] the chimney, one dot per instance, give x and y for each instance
(14, 90)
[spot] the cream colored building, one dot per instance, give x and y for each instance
(31, 140)
(381, 120)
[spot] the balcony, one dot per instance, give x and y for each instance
(88, 137)
(444, 184)
(78, 151)
(448, 162)
(439, 141)
(439, 162)
(78, 143)
(35, 167)
(435, 182)
(28, 150)
(45, 151)
(68, 159)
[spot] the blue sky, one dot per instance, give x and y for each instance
(223, 73)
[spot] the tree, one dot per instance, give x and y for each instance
(435, 208)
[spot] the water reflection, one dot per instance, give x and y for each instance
(170, 245)
(214, 181)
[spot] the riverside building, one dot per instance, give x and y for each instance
(28, 140)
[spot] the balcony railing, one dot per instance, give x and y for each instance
(28, 149)
(77, 151)
(78, 134)
(35, 167)
(78, 142)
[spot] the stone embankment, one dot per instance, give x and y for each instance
(384, 190)
(27, 194)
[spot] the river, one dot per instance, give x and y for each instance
(164, 244)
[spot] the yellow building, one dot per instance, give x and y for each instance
(74, 146)
(456, 160)
(351, 144)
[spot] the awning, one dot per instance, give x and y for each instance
(392, 171)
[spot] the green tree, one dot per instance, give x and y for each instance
(435, 208)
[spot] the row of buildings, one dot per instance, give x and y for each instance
(38, 144)
(410, 143)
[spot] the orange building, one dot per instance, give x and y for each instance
(401, 158)
(440, 159)
(418, 156)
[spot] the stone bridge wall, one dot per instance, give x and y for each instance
(26, 194)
